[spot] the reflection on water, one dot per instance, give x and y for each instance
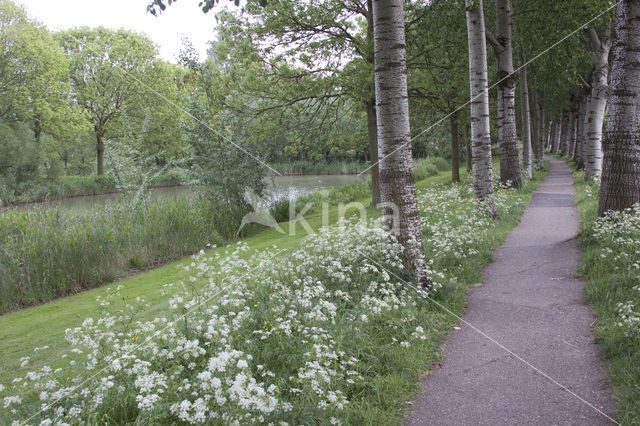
(278, 187)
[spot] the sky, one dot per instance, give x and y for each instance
(166, 30)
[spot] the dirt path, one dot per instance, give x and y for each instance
(531, 304)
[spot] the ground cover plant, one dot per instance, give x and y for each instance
(328, 332)
(611, 267)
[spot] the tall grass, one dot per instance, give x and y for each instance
(49, 253)
(302, 167)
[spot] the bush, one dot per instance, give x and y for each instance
(440, 163)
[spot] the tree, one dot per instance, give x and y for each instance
(620, 187)
(438, 66)
(397, 186)
(526, 123)
(33, 76)
(600, 44)
(507, 133)
(480, 126)
(315, 51)
(108, 72)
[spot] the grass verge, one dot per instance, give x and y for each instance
(611, 267)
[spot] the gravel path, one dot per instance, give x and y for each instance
(532, 305)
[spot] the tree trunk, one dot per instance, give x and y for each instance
(455, 148)
(540, 140)
(557, 140)
(566, 133)
(507, 133)
(480, 129)
(549, 145)
(535, 128)
(100, 152)
(526, 122)
(397, 185)
(601, 43)
(572, 126)
(580, 137)
(372, 133)
(372, 126)
(469, 156)
(620, 187)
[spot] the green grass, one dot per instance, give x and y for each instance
(384, 397)
(607, 285)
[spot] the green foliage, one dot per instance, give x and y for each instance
(20, 159)
(332, 197)
(115, 78)
(538, 26)
(221, 163)
(49, 253)
(33, 75)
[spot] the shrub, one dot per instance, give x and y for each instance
(440, 163)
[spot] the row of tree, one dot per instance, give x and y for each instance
(570, 46)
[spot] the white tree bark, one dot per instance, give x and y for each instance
(526, 123)
(557, 136)
(572, 129)
(620, 187)
(540, 140)
(601, 43)
(582, 159)
(566, 133)
(507, 133)
(397, 186)
(534, 114)
(479, 89)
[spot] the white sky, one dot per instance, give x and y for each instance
(166, 30)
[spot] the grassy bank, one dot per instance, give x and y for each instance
(49, 253)
(610, 265)
(371, 342)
